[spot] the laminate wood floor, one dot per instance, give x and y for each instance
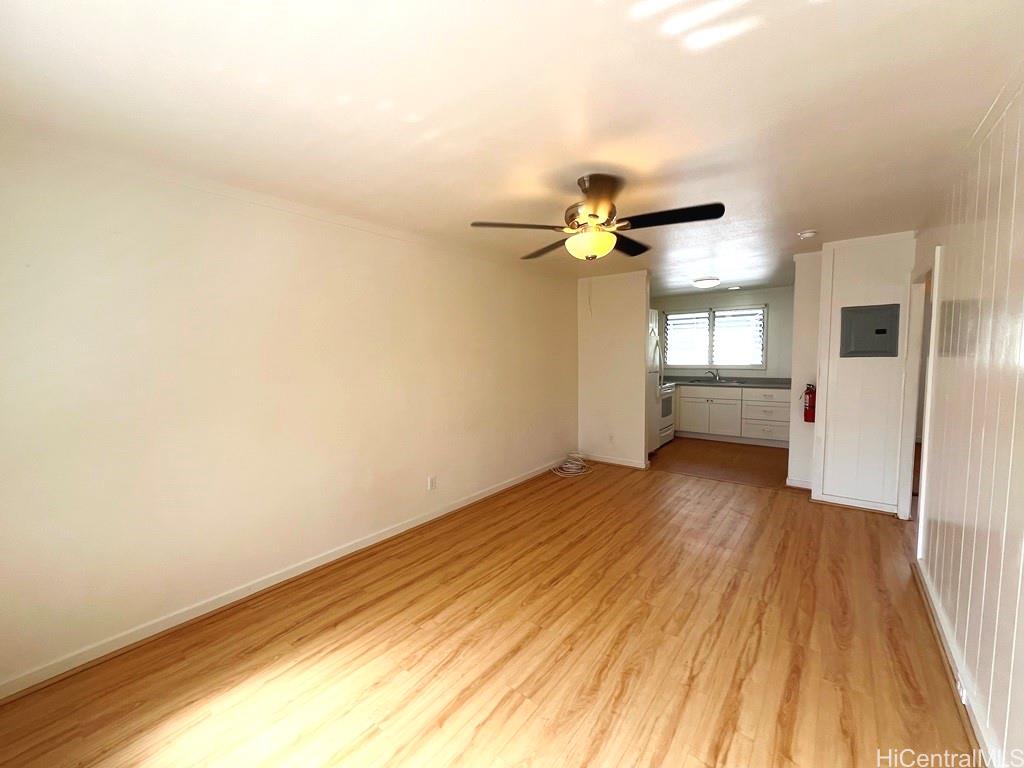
(761, 465)
(623, 618)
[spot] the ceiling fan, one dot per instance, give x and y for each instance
(593, 227)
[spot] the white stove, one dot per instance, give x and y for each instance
(667, 422)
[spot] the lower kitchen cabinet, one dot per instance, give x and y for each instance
(711, 415)
(733, 412)
(724, 417)
(692, 414)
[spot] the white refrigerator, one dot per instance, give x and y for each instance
(655, 368)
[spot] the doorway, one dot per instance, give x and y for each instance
(759, 465)
(929, 338)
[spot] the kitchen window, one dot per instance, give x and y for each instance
(716, 338)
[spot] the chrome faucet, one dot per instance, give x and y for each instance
(714, 374)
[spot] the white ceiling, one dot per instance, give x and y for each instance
(838, 115)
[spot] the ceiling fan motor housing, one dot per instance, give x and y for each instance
(599, 192)
(581, 214)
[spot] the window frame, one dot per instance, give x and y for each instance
(763, 365)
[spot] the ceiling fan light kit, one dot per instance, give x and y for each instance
(593, 243)
(594, 228)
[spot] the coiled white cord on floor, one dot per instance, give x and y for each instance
(573, 466)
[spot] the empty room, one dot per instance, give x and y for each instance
(609, 383)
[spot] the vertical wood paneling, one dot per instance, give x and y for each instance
(982, 426)
(1000, 606)
(992, 501)
(974, 518)
(1009, 636)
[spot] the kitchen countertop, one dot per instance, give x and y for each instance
(730, 381)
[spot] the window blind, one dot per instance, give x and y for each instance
(738, 337)
(687, 338)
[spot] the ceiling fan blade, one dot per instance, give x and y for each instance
(677, 216)
(629, 246)
(506, 225)
(545, 249)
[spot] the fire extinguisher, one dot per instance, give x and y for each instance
(809, 397)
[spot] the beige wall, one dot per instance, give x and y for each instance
(203, 391)
(612, 329)
(973, 493)
(780, 323)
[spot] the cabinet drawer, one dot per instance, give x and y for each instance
(766, 395)
(707, 393)
(766, 411)
(766, 430)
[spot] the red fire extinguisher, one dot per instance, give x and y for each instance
(809, 397)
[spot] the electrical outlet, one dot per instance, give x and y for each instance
(431, 482)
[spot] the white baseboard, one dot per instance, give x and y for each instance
(792, 482)
(136, 634)
(734, 439)
(616, 460)
(848, 501)
(972, 701)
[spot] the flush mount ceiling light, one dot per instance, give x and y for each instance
(734, 287)
(592, 243)
(807, 234)
(706, 282)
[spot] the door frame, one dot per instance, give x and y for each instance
(911, 390)
(929, 404)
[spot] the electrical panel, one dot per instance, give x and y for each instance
(871, 331)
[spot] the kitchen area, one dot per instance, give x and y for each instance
(719, 368)
(813, 385)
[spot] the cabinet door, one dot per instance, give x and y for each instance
(692, 415)
(724, 417)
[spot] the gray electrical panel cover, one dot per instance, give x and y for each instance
(872, 331)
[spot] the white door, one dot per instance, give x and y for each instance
(860, 399)
(724, 417)
(692, 415)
